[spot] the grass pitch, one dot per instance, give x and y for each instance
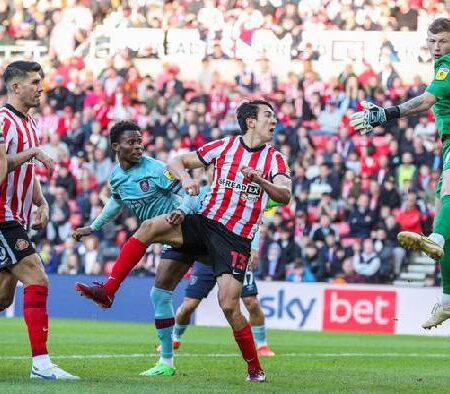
(109, 356)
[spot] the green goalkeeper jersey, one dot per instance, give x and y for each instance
(440, 88)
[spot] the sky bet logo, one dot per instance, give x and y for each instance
(360, 310)
(282, 307)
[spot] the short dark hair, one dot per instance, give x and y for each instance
(119, 128)
(249, 109)
(439, 25)
(20, 69)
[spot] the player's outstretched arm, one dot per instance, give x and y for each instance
(109, 212)
(178, 167)
(3, 163)
(279, 190)
(373, 116)
(417, 104)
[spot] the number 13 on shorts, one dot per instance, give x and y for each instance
(239, 261)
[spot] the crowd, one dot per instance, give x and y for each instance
(64, 26)
(352, 193)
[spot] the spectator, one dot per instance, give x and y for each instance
(322, 229)
(361, 218)
(367, 263)
(299, 273)
(349, 275)
(409, 217)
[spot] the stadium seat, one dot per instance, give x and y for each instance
(319, 141)
(343, 228)
(75, 220)
(348, 242)
(73, 206)
(313, 213)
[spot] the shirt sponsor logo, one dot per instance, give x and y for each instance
(442, 73)
(252, 188)
(21, 244)
(360, 310)
(144, 185)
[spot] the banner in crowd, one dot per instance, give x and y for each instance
(332, 45)
(372, 46)
(352, 308)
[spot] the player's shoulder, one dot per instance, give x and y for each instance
(116, 172)
(442, 68)
(153, 166)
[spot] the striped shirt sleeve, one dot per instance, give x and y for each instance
(9, 132)
(210, 151)
(279, 166)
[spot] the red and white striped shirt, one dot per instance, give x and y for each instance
(16, 192)
(233, 200)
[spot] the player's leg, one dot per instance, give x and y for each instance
(30, 272)
(183, 319)
(229, 298)
(441, 310)
(7, 289)
(202, 281)
(257, 320)
(156, 230)
(433, 245)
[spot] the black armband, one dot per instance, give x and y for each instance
(392, 113)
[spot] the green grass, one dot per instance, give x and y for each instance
(305, 361)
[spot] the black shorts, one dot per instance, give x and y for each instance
(169, 253)
(202, 281)
(14, 244)
(229, 252)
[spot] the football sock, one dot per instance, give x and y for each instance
(244, 339)
(164, 322)
(36, 317)
(445, 270)
(178, 331)
(442, 224)
(42, 361)
(259, 334)
(131, 253)
(438, 238)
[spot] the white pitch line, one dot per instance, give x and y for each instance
(226, 355)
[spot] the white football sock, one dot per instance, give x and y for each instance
(41, 361)
(167, 361)
(438, 238)
(445, 300)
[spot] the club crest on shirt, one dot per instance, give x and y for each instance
(442, 73)
(144, 185)
(21, 244)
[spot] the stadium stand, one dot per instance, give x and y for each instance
(367, 186)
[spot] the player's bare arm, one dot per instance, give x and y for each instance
(3, 163)
(279, 190)
(81, 232)
(18, 159)
(42, 213)
(178, 167)
(417, 104)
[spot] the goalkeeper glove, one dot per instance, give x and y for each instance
(373, 116)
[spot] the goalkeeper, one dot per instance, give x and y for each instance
(437, 95)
